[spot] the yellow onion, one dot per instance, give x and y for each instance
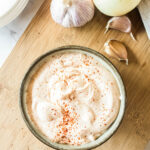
(116, 7)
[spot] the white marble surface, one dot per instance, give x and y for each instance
(10, 34)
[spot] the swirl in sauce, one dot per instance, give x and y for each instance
(73, 98)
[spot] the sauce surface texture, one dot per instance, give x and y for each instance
(73, 98)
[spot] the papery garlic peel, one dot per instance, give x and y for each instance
(116, 49)
(72, 13)
(116, 7)
(121, 23)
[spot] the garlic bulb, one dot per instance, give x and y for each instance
(72, 13)
(116, 49)
(121, 23)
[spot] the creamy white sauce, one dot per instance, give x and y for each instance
(73, 98)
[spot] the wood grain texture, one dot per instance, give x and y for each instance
(41, 36)
(144, 9)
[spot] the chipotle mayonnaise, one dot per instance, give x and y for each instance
(73, 98)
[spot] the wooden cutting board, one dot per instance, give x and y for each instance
(41, 36)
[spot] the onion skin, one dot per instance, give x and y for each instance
(116, 7)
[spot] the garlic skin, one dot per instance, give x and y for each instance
(122, 24)
(116, 49)
(72, 13)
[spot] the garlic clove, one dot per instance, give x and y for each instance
(72, 13)
(122, 24)
(116, 49)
